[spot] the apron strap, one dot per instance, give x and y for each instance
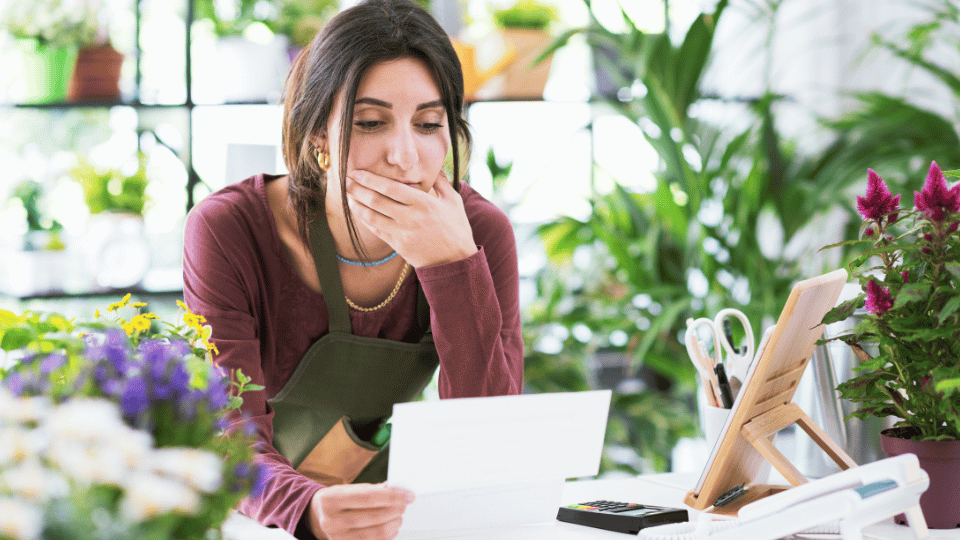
(423, 313)
(324, 257)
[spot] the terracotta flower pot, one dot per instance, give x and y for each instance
(96, 74)
(941, 461)
(521, 80)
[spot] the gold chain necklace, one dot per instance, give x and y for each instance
(396, 288)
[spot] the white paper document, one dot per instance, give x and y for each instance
(491, 462)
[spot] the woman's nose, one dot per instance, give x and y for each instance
(402, 151)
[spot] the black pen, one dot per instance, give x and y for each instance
(725, 393)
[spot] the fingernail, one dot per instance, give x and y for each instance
(409, 497)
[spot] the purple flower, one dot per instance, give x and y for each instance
(935, 199)
(52, 362)
(134, 399)
(110, 345)
(217, 395)
(15, 383)
(879, 201)
(879, 300)
(180, 378)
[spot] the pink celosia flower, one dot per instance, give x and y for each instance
(879, 300)
(906, 276)
(879, 201)
(935, 199)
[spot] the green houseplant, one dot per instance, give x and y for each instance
(526, 14)
(642, 262)
(113, 190)
(119, 428)
(33, 265)
(909, 272)
(299, 20)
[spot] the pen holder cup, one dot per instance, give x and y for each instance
(712, 421)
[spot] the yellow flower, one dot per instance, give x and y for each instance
(96, 314)
(205, 332)
(212, 348)
(138, 304)
(182, 306)
(140, 323)
(149, 316)
(122, 303)
(128, 328)
(191, 320)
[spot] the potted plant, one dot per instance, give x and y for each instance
(909, 273)
(118, 427)
(34, 265)
(118, 255)
(300, 20)
(525, 27)
(48, 34)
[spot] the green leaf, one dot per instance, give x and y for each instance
(954, 269)
(912, 292)
(949, 385)
(955, 174)
(16, 338)
(844, 310)
(950, 308)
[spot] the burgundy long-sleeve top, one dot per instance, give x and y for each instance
(264, 317)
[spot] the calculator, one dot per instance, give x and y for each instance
(620, 516)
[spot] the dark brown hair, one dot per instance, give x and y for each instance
(350, 43)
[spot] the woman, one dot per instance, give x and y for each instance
(366, 218)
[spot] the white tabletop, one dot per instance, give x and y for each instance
(658, 489)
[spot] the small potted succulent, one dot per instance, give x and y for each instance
(906, 338)
(525, 26)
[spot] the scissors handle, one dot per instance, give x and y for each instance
(725, 341)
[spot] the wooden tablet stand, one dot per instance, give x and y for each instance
(765, 406)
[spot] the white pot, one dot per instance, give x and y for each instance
(117, 252)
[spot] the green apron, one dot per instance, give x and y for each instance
(343, 375)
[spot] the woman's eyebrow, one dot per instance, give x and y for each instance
(430, 105)
(380, 103)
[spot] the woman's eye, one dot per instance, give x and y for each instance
(430, 127)
(368, 125)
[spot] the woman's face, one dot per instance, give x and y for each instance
(399, 127)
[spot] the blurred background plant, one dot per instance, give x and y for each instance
(51, 22)
(113, 190)
(42, 233)
(119, 427)
(299, 20)
(528, 14)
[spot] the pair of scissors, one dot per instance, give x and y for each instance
(705, 367)
(735, 359)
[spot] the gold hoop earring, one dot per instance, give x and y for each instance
(323, 160)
